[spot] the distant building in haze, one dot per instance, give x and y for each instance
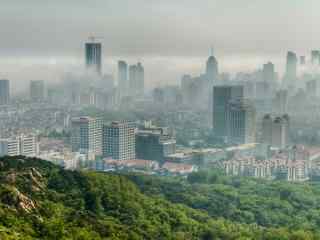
(123, 82)
(119, 141)
(4, 92)
(280, 103)
(268, 73)
(291, 69)
(212, 72)
(276, 130)
(222, 95)
(93, 53)
(315, 57)
(136, 80)
(241, 122)
(37, 90)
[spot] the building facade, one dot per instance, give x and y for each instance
(86, 135)
(119, 141)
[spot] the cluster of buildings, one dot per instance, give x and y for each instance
(21, 145)
(293, 164)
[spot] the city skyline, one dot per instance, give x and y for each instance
(159, 34)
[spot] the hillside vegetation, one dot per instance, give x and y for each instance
(41, 201)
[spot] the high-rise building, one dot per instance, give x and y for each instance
(86, 135)
(267, 123)
(119, 141)
(154, 144)
(275, 131)
(140, 79)
(280, 103)
(136, 80)
(123, 82)
(280, 132)
(222, 95)
(291, 69)
(93, 52)
(241, 122)
(37, 90)
(212, 72)
(28, 145)
(9, 147)
(4, 92)
(315, 57)
(268, 73)
(25, 145)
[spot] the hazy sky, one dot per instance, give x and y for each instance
(40, 37)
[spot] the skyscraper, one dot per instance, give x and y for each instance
(136, 80)
(268, 73)
(123, 83)
(241, 122)
(212, 71)
(4, 92)
(291, 69)
(267, 123)
(86, 135)
(140, 79)
(37, 90)
(280, 132)
(281, 102)
(315, 57)
(93, 52)
(275, 131)
(119, 141)
(222, 95)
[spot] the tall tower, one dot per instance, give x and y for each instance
(291, 69)
(93, 54)
(123, 83)
(212, 71)
(140, 79)
(4, 92)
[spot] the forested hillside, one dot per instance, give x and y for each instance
(41, 201)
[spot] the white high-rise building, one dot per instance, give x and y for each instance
(86, 135)
(25, 145)
(119, 141)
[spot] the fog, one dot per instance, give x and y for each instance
(42, 39)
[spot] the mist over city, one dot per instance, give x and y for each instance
(148, 119)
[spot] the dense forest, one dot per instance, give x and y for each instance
(41, 201)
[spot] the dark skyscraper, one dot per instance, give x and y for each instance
(4, 92)
(123, 83)
(212, 71)
(93, 56)
(222, 95)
